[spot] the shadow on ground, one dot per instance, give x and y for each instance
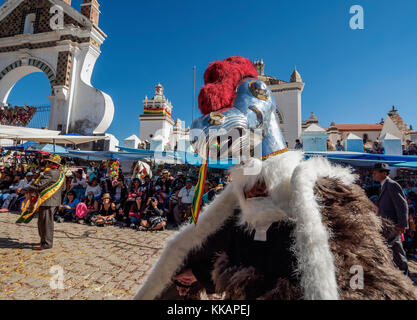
(7, 243)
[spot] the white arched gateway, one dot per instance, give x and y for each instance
(10, 75)
(66, 53)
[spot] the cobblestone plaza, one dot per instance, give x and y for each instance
(97, 263)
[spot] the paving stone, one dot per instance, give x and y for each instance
(109, 264)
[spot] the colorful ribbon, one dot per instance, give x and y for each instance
(199, 191)
(29, 210)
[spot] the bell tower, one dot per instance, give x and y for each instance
(66, 55)
(90, 9)
(156, 121)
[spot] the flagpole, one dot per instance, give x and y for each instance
(194, 95)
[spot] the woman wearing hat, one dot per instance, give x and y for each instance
(107, 212)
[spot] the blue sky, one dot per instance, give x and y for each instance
(351, 76)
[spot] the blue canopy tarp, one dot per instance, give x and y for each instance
(183, 157)
(48, 148)
(21, 147)
(412, 165)
(111, 155)
(363, 159)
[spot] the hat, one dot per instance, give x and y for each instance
(29, 174)
(188, 180)
(55, 159)
(81, 211)
(106, 196)
(157, 188)
(180, 173)
(382, 167)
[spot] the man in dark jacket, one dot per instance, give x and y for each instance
(393, 206)
(46, 212)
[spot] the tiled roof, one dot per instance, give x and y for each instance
(359, 127)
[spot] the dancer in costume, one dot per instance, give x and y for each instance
(284, 228)
(44, 196)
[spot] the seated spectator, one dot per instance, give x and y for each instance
(209, 193)
(5, 188)
(135, 214)
(67, 210)
(106, 185)
(162, 198)
(79, 184)
(146, 187)
(91, 171)
(134, 193)
(119, 193)
(376, 148)
(339, 146)
(185, 200)
(412, 149)
(152, 217)
(12, 190)
(106, 214)
(164, 181)
(173, 200)
(298, 145)
(87, 209)
(14, 198)
(94, 187)
(102, 170)
(68, 186)
(20, 171)
(119, 196)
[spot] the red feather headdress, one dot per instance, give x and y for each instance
(221, 81)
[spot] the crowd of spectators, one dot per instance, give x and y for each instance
(150, 202)
(91, 197)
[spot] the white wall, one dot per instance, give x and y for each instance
(372, 135)
(92, 108)
(289, 105)
(157, 128)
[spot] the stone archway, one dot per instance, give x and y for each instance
(14, 72)
(32, 40)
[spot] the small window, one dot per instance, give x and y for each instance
(30, 23)
(280, 118)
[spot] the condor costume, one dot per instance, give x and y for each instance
(306, 239)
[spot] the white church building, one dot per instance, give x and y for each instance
(288, 96)
(157, 125)
(66, 51)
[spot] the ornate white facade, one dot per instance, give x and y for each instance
(66, 54)
(156, 122)
(288, 96)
